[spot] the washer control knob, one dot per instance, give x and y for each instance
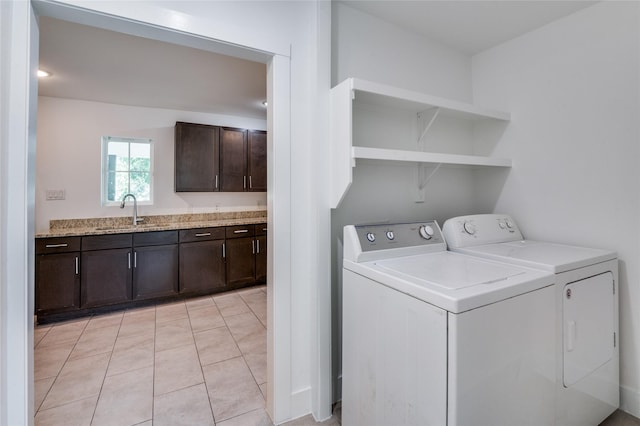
(426, 232)
(502, 225)
(390, 235)
(371, 237)
(469, 228)
(509, 224)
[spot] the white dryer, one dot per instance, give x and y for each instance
(586, 279)
(432, 337)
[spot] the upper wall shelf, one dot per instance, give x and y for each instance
(393, 97)
(344, 154)
(365, 153)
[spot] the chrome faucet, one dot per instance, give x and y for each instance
(135, 208)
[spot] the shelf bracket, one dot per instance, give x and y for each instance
(422, 180)
(426, 118)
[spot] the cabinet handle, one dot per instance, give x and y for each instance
(204, 234)
(258, 244)
(264, 229)
(253, 246)
(129, 259)
(77, 265)
(224, 251)
(240, 231)
(56, 245)
(244, 182)
(216, 181)
(135, 259)
(250, 184)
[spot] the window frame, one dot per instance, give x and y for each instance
(104, 168)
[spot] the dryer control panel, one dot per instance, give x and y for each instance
(473, 230)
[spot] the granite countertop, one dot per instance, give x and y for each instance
(119, 225)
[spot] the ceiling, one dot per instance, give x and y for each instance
(469, 26)
(95, 64)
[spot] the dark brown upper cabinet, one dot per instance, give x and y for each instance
(257, 160)
(213, 158)
(197, 158)
(233, 159)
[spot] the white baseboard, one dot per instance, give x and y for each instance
(630, 400)
(300, 403)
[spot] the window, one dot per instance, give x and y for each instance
(127, 167)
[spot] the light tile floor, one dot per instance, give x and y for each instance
(195, 362)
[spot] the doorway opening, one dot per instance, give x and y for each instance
(278, 188)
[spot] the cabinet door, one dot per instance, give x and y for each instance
(196, 158)
(261, 259)
(241, 264)
(202, 267)
(155, 271)
(57, 282)
(257, 160)
(105, 277)
(233, 159)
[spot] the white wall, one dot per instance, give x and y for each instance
(573, 90)
(69, 157)
(369, 48)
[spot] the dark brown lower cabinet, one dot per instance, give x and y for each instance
(155, 271)
(202, 267)
(106, 277)
(83, 273)
(261, 259)
(155, 264)
(57, 282)
(241, 265)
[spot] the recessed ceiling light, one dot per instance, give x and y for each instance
(42, 73)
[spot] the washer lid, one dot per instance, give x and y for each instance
(449, 272)
(535, 254)
(452, 281)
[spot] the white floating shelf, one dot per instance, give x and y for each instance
(381, 94)
(360, 152)
(344, 154)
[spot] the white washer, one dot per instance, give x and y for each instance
(587, 352)
(432, 337)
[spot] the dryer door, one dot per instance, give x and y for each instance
(588, 307)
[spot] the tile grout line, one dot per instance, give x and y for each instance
(95, 408)
(153, 380)
(204, 379)
(61, 368)
(245, 360)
